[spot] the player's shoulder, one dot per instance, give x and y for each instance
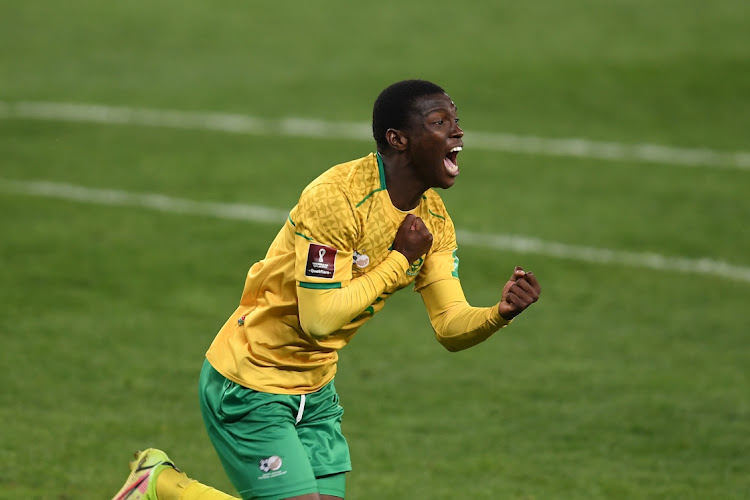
(439, 222)
(435, 206)
(352, 180)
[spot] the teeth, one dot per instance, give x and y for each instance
(456, 149)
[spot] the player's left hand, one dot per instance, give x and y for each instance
(519, 292)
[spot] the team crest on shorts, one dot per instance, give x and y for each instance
(270, 467)
(270, 464)
(321, 261)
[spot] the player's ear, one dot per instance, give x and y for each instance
(396, 139)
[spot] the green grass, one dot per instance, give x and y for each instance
(621, 383)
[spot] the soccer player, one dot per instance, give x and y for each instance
(359, 232)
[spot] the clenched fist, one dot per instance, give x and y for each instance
(413, 239)
(519, 292)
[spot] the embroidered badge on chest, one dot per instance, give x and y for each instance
(321, 261)
(415, 267)
(360, 260)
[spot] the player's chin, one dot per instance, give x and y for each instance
(445, 176)
(447, 181)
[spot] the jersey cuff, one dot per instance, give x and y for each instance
(405, 264)
(497, 319)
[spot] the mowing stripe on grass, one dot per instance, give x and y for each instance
(256, 213)
(302, 127)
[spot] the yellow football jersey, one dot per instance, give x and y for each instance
(343, 225)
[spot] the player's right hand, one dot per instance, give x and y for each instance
(413, 239)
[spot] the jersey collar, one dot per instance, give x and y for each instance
(381, 170)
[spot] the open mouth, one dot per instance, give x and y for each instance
(450, 162)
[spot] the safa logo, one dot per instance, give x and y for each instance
(270, 467)
(415, 267)
(270, 464)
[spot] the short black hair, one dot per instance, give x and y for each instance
(395, 103)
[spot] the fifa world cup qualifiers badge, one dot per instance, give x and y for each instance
(321, 261)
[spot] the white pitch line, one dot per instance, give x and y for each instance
(303, 127)
(266, 215)
(153, 201)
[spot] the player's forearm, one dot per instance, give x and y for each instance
(457, 324)
(464, 326)
(323, 312)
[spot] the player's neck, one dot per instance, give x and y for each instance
(404, 188)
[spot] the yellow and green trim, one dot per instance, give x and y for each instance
(319, 286)
(381, 173)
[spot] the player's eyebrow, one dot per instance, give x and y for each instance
(441, 108)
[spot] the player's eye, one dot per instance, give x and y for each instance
(439, 122)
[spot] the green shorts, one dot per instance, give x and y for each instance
(275, 446)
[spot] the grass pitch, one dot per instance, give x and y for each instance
(621, 383)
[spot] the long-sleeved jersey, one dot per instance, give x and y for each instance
(330, 268)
